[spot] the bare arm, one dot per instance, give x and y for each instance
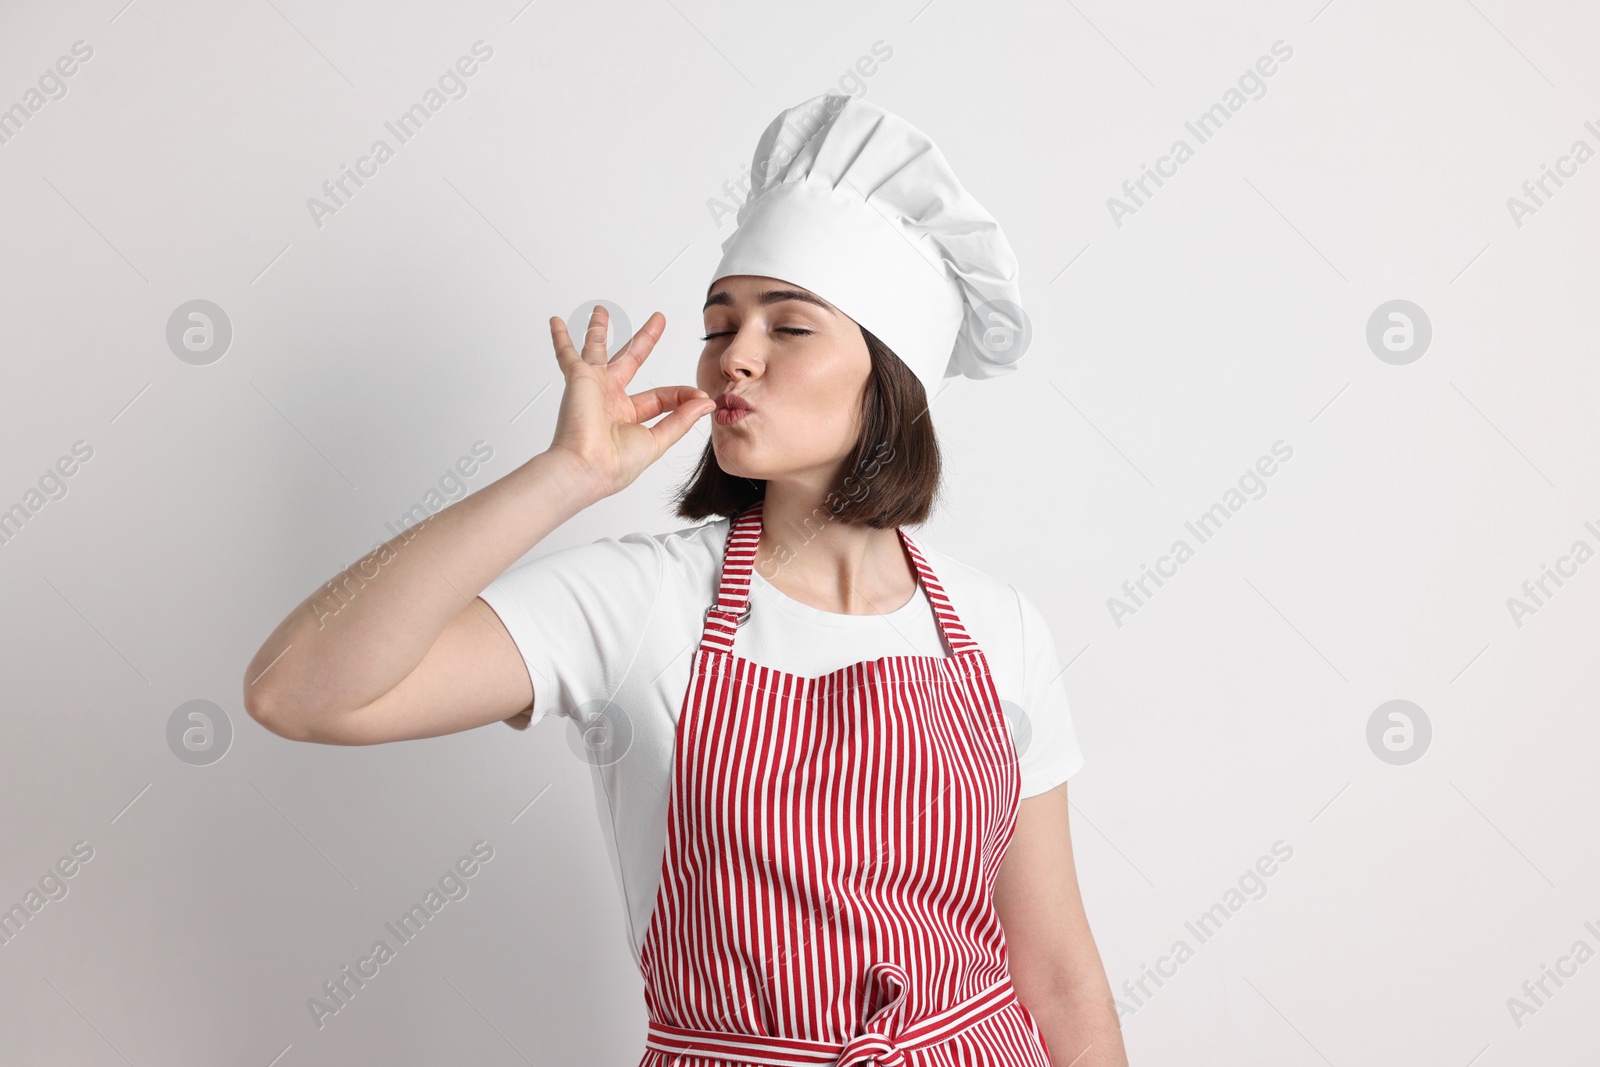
(1055, 965)
(399, 645)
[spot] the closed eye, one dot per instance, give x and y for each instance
(780, 329)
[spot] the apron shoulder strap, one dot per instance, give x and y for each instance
(738, 561)
(944, 612)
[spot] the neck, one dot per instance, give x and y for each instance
(811, 556)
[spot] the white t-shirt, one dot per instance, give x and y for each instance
(613, 625)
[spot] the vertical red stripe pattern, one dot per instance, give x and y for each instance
(832, 845)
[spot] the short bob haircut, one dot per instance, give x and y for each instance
(894, 477)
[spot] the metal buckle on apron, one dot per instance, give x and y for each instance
(739, 621)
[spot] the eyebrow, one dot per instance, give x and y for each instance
(771, 296)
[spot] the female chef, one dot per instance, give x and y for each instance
(813, 786)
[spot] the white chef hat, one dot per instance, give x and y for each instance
(860, 207)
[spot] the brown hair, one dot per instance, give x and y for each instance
(895, 464)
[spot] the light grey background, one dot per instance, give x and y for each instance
(1227, 313)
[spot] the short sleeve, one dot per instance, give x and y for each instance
(577, 616)
(1051, 753)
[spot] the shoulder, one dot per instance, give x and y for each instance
(685, 544)
(692, 545)
(640, 562)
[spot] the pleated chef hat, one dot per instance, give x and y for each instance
(860, 207)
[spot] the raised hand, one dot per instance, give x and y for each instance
(599, 423)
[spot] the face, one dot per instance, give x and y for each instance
(801, 364)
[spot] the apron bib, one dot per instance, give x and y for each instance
(832, 845)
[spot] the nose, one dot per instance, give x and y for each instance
(744, 354)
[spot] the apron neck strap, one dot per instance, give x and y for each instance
(738, 561)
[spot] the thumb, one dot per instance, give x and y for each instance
(670, 430)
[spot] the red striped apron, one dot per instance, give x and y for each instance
(832, 846)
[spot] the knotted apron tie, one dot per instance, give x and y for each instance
(883, 1042)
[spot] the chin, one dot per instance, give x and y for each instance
(740, 459)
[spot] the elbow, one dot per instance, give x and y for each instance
(266, 708)
(293, 721)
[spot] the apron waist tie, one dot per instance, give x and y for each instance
(883, 1042)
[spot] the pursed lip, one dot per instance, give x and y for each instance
(732, 402)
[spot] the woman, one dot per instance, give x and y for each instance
(813, 784)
